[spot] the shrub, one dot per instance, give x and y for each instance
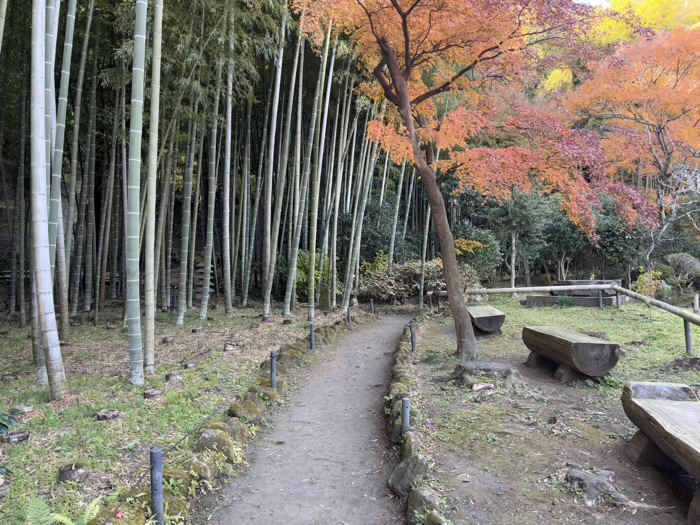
(478, 248)
(649, 283)
(686, 266)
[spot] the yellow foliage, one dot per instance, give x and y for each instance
(559, 80)
(464, 246)
(610, 31)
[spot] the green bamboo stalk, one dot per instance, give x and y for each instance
(133, 305)
(150, 291)
(184, 238)
(397, 204)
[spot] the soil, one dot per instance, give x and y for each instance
(502, 458)
(326, 459)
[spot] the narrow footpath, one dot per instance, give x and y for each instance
(326, 461)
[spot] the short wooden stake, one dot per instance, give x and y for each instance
(600, 298)
(405, 415)
(312, 336)
(156, 457)
(371, 305)
(349, 317)
(273, 370)
(696, 303)
(413, 339)
(688, 337)
(618, 301)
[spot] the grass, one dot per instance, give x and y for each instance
(96, 362)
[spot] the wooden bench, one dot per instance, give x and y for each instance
(575, 353)
(486, 318)
(668, 418)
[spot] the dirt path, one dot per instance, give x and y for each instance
(327, 459)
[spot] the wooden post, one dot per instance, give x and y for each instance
(688, 337)
(618, 302)
(696, 304)
(600, 299)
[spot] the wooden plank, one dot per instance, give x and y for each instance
(486, 318)
(589, 355)
(669, 415)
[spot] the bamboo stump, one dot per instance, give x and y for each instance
(572, 351)
(668, 418)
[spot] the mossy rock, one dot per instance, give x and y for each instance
(395, 431)
(239, 430)
(205, 466)
(132, 515)
(421, 501)
(177, 481)
(411, 445)
(397, 390)
(246, 410)
(218, 425)
(218, 441)
(265, 393)
(264, 381)
(435, 518)
(175, 504)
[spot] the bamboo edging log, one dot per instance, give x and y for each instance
(688, 316)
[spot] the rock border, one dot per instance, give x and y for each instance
(408, 477)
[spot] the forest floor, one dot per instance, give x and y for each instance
(326, 459)
(501, 455)
(96, 362)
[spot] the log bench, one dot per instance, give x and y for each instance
(577, 355)
(668, 418)
(486, 318)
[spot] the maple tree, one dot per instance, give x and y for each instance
(431, 58)
(645, 97)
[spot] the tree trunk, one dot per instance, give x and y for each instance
(226, 251)
(184, 237)
(149, 278)
(39, 198)
(513, 258)
(392, 242)
(466, 342)
(133, 303)
(424, 249)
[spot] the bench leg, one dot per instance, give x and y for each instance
(694, 510)
(564, 374)
(535, 360)
(643, 451)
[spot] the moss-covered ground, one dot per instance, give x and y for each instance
(501, 454)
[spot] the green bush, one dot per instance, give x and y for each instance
(686, 266)
(484, 254)
(403, 280)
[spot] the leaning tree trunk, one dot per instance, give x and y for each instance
(466, 342)
(133, 303)
(48, 331)
(150, 291)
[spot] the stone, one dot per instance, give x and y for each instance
(75, 472)
(410, 471)
(287, 321)
(435, 518)
(205, 466)
(218, 425)
(246, 410)
(167, 340)
(5, 486)
(107, 414)
(265, 393)
(411, 445)
(14, 437)
(596, 484)
(190, 366)
(7, 378)
(196, 330)
(229, 347)
(152, 393)
(174, 379)
(239, 430)
(420, 502)
(487, 368)
(219, 441)
(325, 303)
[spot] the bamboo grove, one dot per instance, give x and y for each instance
(175, 145)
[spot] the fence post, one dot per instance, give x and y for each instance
(371, 305)
(273, 370)
(696, 304)
(413, 339)
(349, 317)
(600, 298)
(312, 336)
(618, 300)
(405, 415)
(688, 338)
(156, 456)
